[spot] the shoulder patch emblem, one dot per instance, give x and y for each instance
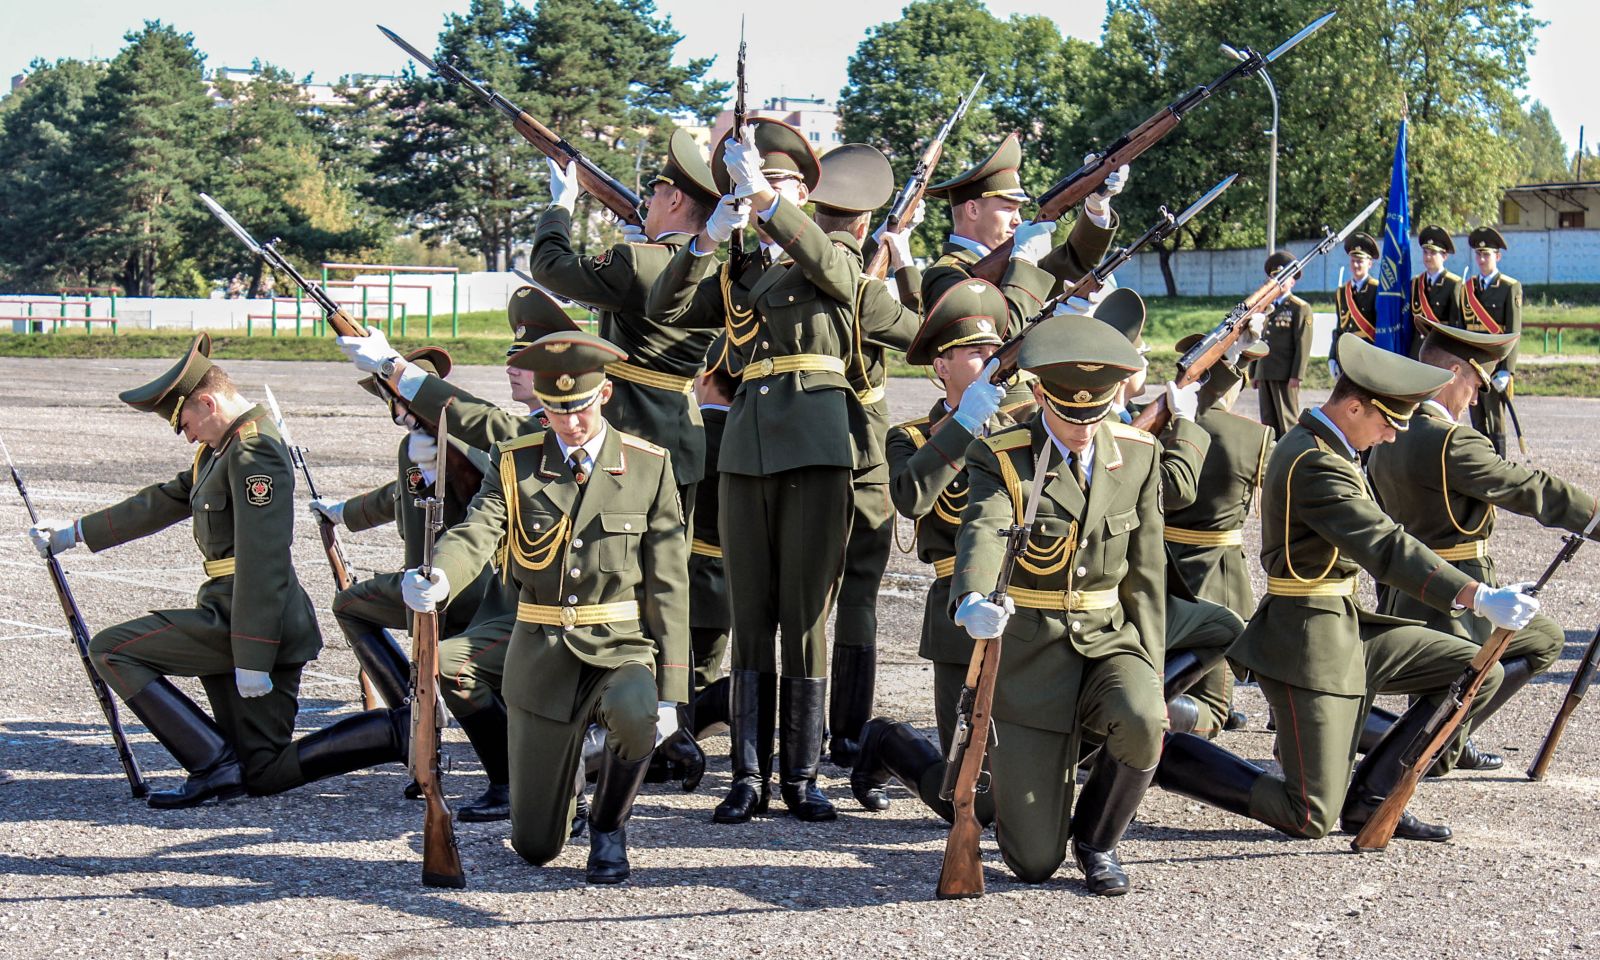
(413, 479)
(602, 260)
(258, 490)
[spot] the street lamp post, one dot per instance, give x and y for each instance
(1272, 162)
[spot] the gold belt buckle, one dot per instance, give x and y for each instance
(764, 367)
(569, 617)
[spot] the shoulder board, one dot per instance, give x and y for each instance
(639, 443)
(949, 260)
(1124, 431)
(920, 424)
(1448, 275)
(1296, 300)
(520, 443)
(1012, 439)
(248, 430)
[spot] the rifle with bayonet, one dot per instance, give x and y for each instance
(80, 637)
(1581, 679)
(1193, 366)
(1071, 190)
(465, 478)
(962, 873)
(905, 205)
(736, 242)
(610, 191)
(1447, 718)
(1165, 226)
(328, 530)
(441, 859)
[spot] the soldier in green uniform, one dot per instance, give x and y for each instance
(1319, 658)
(1355, 303)
(249, 646)
(1442, 481)
(928, 481)
(1288, 338)
(1436, 292)
(985, 204)
(789, 449)
(1491, 302)
(586, 521)
(1083, 649)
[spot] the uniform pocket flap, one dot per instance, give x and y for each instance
(1054, 527)
(622, 523)
(1120, 523)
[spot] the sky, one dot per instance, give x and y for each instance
(332, 39)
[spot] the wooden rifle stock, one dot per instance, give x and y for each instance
(1580, 686)
(961, 875)
(595, 181)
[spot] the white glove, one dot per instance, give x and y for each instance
(1184, 402)
(899, 245)
(1033, 240)
(252, 683)
(369, 352)
(330, 508)
(666, 719)
(564, 189)
(57, 536)
(1501, 380)
(731, 215)
(1509, 608)
(422, 448)
(744, 164)
(980, 400)
(633, 234)
(1098, 203)
(917, 216)
(1256, 323)
(981, 619)
(1333, 367)
(423, 594)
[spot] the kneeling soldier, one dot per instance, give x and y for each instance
(587, 522)
(247, 646)
(1083, 652)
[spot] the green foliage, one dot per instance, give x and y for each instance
(1541, 153)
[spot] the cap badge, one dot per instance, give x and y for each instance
(556, 347)
(565, 382)
(1082, 396)
(985, 325)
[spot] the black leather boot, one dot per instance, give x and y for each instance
(854, 674)
(1377, 724)
(800, 748)
(1237, 720)
(1183, 714)
(354, 743)
(752, 709)
(580, 819)
(1183, 670)
(384, 663)
(711, 707)
(194, 740)
(1105, 809)
(1518, 673)
(1378, 772)
(687, 762)
(486, 729)
(890, 748)
(1199, 769)
(618, 784)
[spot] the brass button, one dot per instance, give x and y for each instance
(1083, 571)
(205, 506)
(627, 526)
(764, 391)
(576, 572)
(1077, 626)
(1083, 543)
(576, 542)
(572, 599)
(791, 298)
(765, 345)
(537, 525)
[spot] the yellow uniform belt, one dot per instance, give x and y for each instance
(1204, 538)
(1471, 550)
(702, 549)
(794, 363)
(583, 616)
(944, 568)
(1290, 587)
(1070, 601)
(650, 378)
(219, 568)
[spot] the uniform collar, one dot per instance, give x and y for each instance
(1437, 409)
(592, 448)
(1486, 281)
(965, 244)
(1332, 428)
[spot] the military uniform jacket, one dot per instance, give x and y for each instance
(618, 538)
(809, 309)
(1026, 286)
(1106, 540)
(241, 497)
(1356, 307)
(1288, 336)
(1438, 302)
(1442, 481)
(1229, 476)
(1319, 522)
(615, 285)
(474, 421)
(1496, 308)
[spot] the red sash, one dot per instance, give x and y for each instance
(1364, 326)
(1479, 311)
(1421, 304)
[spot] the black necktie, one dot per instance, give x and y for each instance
(1075, 464)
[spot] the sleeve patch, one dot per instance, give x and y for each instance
(602, 260)
(258, 490)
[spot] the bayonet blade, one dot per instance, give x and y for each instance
(1204, 201)
(277, 417)
(1039, 463)
(413, 52)
(1361, 218)
(1310, 28)
(444, 450)
(231, 224)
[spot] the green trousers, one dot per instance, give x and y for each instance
(1280, 405)
(1490, 419)
(1208, 629)
(709, 618)
(866, 557)
(1318, 732)
(472, 668)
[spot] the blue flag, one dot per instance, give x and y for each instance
(1394, 271)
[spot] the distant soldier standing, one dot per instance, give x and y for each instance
(1288, 338)
(1436, 292)
(1355, 303)
(1491, 302)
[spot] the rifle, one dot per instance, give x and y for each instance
(736, 242)
(466, 478)
(80, 637)
(329, 532)
(961, 875)
(610, 191)
(905, 205)
(1419, 755)
(1071, 190)
(1516, 421)
(1008, 352)
(1580, 686)
(441, 860)
(1203, 355)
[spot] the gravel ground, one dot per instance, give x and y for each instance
(332, 870)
